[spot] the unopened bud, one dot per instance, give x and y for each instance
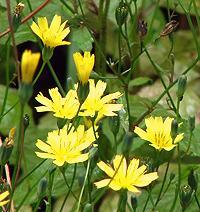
(61, 122)
(42, 187)
(128, 140)
(70, 83)
(92, 152)
(186, 194)
(26, 121)
(88, 208)
(114, 124)
(121, 13)
(25, 92)
(193, 180)
(191, 123)
(17, 16)
(172, 176)
(182, 82)
(83, 91)
(134, 202)
(174, 129)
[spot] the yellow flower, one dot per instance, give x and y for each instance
(63, 107)
(159, 133)
(51, 36)
(29, 64)
(84, 65)
(2, 197)
(96, 104)
(121, 177)
(62, 146)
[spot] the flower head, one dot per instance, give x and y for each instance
(159, 133)
(63, 107)
(95, 104)
(29, 64)
(51, 36)
(2, 197)
(123, 177)
(84, 65)
(63, 146)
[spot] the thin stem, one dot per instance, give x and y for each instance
(7, 78)
(33, 170)
(147, 200)
(39, 73)
(128, 105)
(196, 199)
(29, 192)
(37, 205)
(163, 183)
(70, 188)
(162, 81)
(84, 183)
(50, 185)
(56, 78)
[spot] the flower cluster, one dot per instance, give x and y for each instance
(71, 142)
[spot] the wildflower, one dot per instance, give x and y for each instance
(29, 64)
(2, 197)
(95, 104)
(121, 177)
(51, 36)
(84, 65)
(159, 133)
(63, 146)
(66, 107)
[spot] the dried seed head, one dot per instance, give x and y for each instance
(169, 28)
(18, 9)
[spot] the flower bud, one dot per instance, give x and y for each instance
(172, 176)
(186, 194)
(92, 152)
(26, 121)
(70, 83)
(84, 65)
(193, 180)
(88, 208)
(128, 140)
(174, 129)
(7, 147)
(121, 13)
(191, 123)
(114, 124)
(25, 92)
(17, 16)
(134, 202)
(42, 187)
(83, 91)
(182, 82)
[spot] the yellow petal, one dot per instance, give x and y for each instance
(4, 195)
(133, 189)
(102, 183)
(4, 202)
(55, 24)
(141, 133)
(106, 168)
(43, 23)
(178, 138)
(146, 179)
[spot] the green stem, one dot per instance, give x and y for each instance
(29, 192)
(50, 185)
(163, 183)
(55, 78)
(162, 81)
(7, 78)
(18, 149)
(128, 106)
(147, 200)
(39, 73)
(84, 183)
(196, 199)
(37, 205)
(35, 168)
(70, 188)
